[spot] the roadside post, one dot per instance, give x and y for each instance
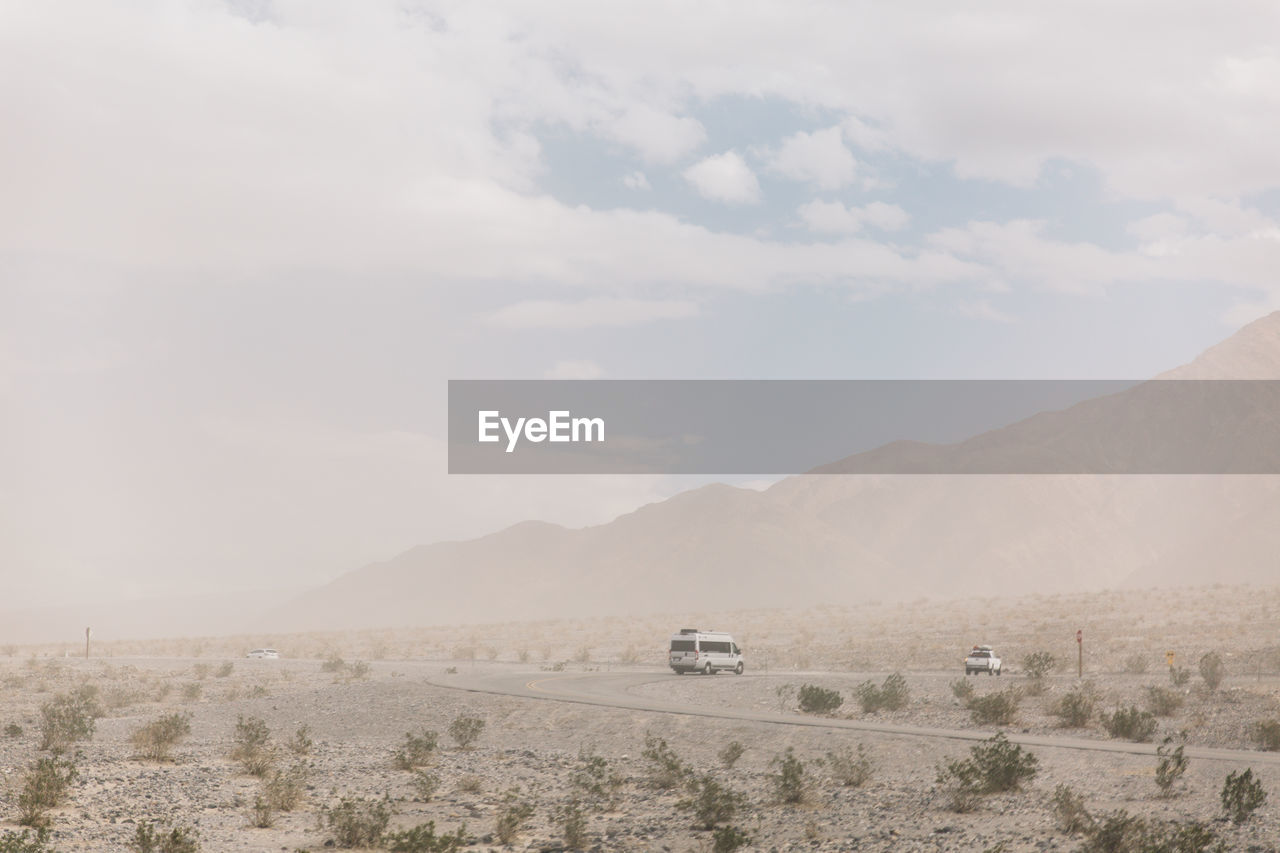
(1079, 654)
(1168, 658)
(86, 643)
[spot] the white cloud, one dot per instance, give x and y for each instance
(545, 314)
(658, 137)
(636, 181)
(574, 370)
(818, 158)
(832, 217)
(724, 177)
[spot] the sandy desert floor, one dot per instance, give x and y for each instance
(549, 754)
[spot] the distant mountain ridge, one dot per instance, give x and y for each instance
(832, 538)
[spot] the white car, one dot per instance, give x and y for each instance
(261, 654)
(982, 659)
(707, 652)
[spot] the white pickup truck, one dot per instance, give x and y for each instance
(982, 659)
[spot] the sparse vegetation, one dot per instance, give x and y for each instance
(301, 743)
(962, 689)
(594, 779)
(573, 825)
(1172, 764)
(253, 745)
(788, 780)
(155, 740)
(44, 787)
(466, 730)
(666, 770)
(1242, 794)
(225, 669)
(891, 695)
(819, 700)
(425, 785)
(68, 719)
(513, 815)
(25, 842)
(1039, 664)
(995, 709)
(179, 839)
(1075, 709)
(727, 839)
(358, 821)
(729, 756)
(1130, 723)
(711, 802)
(423, 839)
(1121, 832)
(1179, 676)
(1069, 811)
(1267, 734)
(1136, 664)
(417, 750)
(850, 768)
(1162, 701)
(993, 766)
(283, 790)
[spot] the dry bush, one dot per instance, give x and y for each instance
(155, 740)
(253, 748)
(44, 788)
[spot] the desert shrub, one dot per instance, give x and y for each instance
(711, 802)
(148, 839)
(417, 750)
(1212, 670)
(470, 784)
(425, 785)
(155, 740)
(1136, 664)
(593, 779)
(1170, 767)
(1267, 734)
(729, 756)
(789, 782)
(962, 689)
(1242, 794)
(1121, 832)
(261, 814)
(423, 839)
(1130, 723)
(253, 745)
(333, 663)
(1074, 709)
(850, 768)
(118, 696)
(13, 730)
(465, 730)
(192, 691)
(357, 671)
(67, 719)
(225, 669)
(995, 709)
(44, 788)
(1039, 664)
(200, 671)
(573, 825)
(358, 821)
(1069, 811)
(666, 770)
(284, 789)
(891, 695)
(302, 743)
(1162, 701)
(993, 766)
(513, 815)
(784, 693)
(819, 700)
(727, 839)
(1179, 676)
(25, 842)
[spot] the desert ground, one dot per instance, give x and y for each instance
(310, 751)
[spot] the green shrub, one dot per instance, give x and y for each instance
(24, 842)
(789, 782)
(423, 839)
(425, 785)
(729, 756)
(1075, 709)
(1172, 764)
(1242, 795)
(253, 745)
(819, 700)
(666, 770)
(13, 730)
(155, 740)
(261, 814)
(849, 768)
(727, 839)
(44, 788)
(1267, 733)
(892, 695)
(594, 780)
(573, 825)
(1130, 723)
(995, 709)
(358, 821)
(284, 789)
(1162, 701)
(962, 689)
(1069, 811)
(465, 730)
(1212, 670)
(192, 691)
(334, 663)
(1121, 832)
(302, 743)
(67, 719)
(512, 817)
(225, 669)
(180, 839)
(1136, 664)
(417, 750)
(993, 766)
(1179, 676)
(1039, 664)
(711, 802)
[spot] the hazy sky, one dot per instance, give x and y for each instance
(244, 244)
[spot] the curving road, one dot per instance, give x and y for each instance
(614, 690)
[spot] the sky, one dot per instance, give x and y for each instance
(244, 244)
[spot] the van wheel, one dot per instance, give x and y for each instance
(737, 670)
(679, 672)
(706, 670)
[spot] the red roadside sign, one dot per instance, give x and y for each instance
(1079, 636)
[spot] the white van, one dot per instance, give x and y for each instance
(706, 652)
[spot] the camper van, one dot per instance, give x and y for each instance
(706, 652)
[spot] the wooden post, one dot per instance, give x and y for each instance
(86, 643)
(1079, 654)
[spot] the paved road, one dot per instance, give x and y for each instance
(615, 690)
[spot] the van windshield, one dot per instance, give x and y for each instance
(682, 646)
